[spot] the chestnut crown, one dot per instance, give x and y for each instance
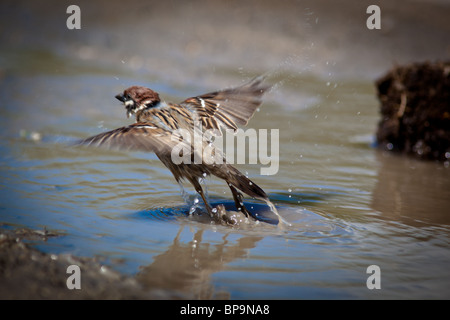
(138, 98)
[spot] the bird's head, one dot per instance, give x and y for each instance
(138, 98)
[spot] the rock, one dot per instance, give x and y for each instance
(415, 110)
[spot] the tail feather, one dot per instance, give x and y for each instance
(244, 184)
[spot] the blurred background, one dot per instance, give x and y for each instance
(350, 205)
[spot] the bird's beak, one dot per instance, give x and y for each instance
(120, 97)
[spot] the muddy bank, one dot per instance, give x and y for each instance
(415, 110)
(26, 273)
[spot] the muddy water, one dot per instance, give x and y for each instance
(349, 205)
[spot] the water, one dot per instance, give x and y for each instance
(348, 206)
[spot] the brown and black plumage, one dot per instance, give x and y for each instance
(157, 123)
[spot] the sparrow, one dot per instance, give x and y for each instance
(157, 129)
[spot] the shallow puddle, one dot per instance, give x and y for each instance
(349, 205)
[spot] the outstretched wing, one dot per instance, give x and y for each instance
(136, 137)
(230, 107)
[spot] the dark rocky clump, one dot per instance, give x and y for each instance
(415, 109)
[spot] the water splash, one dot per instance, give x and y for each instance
(275, 211)
(184, 194)
(204, 186)
(193, 204)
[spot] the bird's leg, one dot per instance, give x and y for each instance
(199, 190)
(237, 196)
(208, 208)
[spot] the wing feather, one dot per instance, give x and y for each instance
(230, 107)
(136, 137)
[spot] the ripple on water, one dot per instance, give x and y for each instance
(303, 223)
(200, 215)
